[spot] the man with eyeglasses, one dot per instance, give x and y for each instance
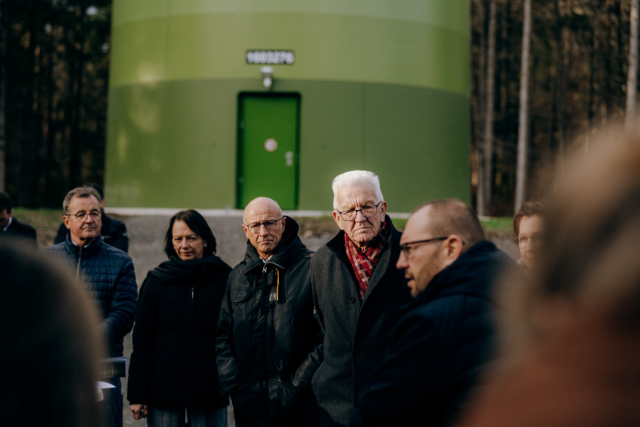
(444, 338)
(268, 344)
(106, 273)
(356, 289)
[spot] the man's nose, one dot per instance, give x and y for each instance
(89, 218)
(360, 217)
(402, 261)
(263, 230)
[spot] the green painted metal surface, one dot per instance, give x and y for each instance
(268, 149)
(174, 144)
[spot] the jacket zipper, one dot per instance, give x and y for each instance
(79, 261)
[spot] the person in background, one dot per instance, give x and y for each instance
(445, 337)
(106, 273)
(50, 348)
(529, 233)
(173, 369)
(268, 339)
(356, 290)
(571, 336)
(113, 232)
(11, 227)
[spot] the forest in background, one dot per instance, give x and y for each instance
(54, 64)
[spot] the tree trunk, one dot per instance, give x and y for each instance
(632, 71)
(482, 57)
(521, 173)
(488, 112)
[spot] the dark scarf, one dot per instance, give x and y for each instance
(190, 270)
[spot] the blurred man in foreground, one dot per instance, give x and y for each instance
(107, 274)
(444, 338)
(112, 231)
(11, 227)
(50, 349)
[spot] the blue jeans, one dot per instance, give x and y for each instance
(113, 403)
(161, 417)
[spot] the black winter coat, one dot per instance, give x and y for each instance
(355, 333)
(107, 274)
(268, 337)
(439, 346)
(21, 231)
(173, 364)
(113, 233)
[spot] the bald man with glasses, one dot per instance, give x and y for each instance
(268, 345)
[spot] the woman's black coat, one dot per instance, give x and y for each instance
(173, 363)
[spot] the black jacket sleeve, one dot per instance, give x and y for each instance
(61, 236)
(226, 358)
(144, 339)
(122, 309)
(413, 375)
(119, 237)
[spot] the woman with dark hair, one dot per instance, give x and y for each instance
(173, 379)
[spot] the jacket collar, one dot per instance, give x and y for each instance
(87, 251)
(287, 249)
(470, 274)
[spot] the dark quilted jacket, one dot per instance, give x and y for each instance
(439, 346)
(107, 274)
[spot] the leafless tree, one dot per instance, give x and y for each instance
(523, 121)
(632, 71)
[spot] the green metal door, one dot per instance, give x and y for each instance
(268, 149)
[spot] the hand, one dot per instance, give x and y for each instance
(139, 411)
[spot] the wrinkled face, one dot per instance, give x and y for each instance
(264, 240)
(531, 237)
(363, 229)
(187, 244)
(424, 260)
(85, 230)
(4, 218)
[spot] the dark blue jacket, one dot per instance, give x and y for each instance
(107, 274)
(440, 344)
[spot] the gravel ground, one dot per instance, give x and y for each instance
(146, 235)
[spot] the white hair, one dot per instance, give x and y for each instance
(350, 178)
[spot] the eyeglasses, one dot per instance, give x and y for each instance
(269, 225)
(536, 241)
(352, 214)
(406, 247)
(82, 215)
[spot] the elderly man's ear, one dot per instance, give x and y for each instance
(452, 249)
(284, 221)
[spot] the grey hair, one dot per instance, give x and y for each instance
(79, 192)
(357, 177)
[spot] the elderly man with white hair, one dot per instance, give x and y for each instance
(356, 290)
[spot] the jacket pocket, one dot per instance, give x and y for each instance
(240, 295)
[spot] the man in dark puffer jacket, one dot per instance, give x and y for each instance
(268, 339)
(106, 273)
(443, 338)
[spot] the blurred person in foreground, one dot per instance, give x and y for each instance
(268, 340)
(173, 364)
(529, 233)
(107, 275)
(113, 232)
(445, 337)
(11, 227)
(356, 290)
(572, 335)
(50, 350)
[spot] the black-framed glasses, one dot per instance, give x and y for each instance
(352, 214)
(269, 225)
(82, 215)
(535, 241)
(406, 247)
